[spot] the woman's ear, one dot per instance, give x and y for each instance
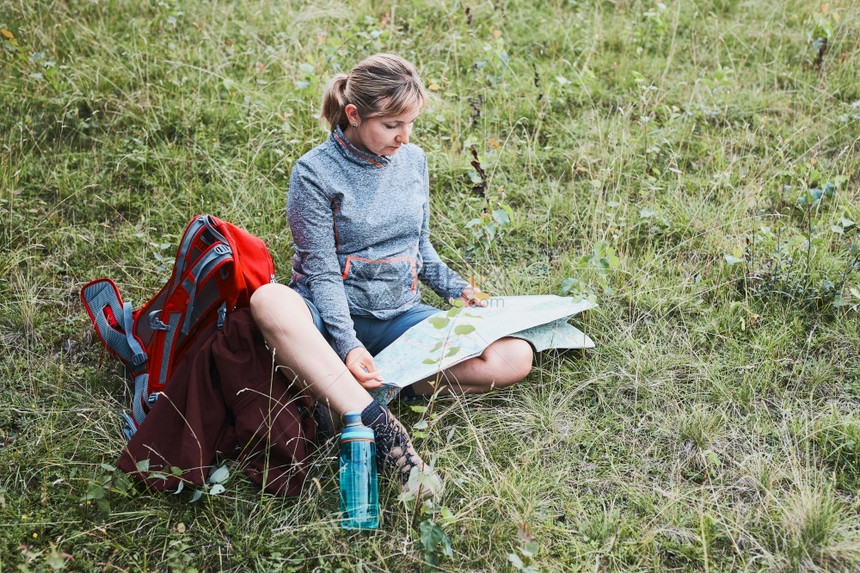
(352, 114)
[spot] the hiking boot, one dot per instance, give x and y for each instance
(394, 451)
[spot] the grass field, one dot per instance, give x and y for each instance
(692, 166)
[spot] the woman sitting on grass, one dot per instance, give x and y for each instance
(358, 209)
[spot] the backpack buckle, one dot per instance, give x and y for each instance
(222, 249)
(155, 321)
(128, 426)
(222, 315)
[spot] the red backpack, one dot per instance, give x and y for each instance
(218, 265)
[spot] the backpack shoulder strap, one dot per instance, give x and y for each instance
(113, 321)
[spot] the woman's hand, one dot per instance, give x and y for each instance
(361, 366)
(473, 296)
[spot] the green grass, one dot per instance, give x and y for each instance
(655, 153)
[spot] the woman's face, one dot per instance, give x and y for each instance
(382, 135)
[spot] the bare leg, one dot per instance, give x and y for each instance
(287, 326)
(504, 362)
(286, 323)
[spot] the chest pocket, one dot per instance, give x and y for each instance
(378, 285)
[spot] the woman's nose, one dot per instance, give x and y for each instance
(403, 136)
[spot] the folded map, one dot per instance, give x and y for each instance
(450, 337)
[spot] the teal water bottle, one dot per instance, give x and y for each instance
(359, 494)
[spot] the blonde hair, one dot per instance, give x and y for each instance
(382, 85)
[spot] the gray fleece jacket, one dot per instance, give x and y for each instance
(360, 224)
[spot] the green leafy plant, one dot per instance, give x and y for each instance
(433, 539)
(310, 79)
(443, 349)
(818, 36)
(435, 543)
(180, 558)
(523, 559)
(792, 262)
(602, 259)
(214, 484)
(653, 27)
(110, 480)
(493, 224)
(42, 560)
(490, 228)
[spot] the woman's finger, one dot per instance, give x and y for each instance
(370, 384)
(364, 370)
(370, 366)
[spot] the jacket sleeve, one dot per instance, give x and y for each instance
(311, 219)
(434, 273)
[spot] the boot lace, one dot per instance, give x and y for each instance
(394, 449)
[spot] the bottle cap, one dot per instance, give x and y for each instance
(354, 429)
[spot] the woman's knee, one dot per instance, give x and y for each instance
(267, 296)
(273, 302)
(521, 357)
(512, 358)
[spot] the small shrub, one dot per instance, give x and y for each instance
(793, 261)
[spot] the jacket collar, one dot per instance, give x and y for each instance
(354, 154)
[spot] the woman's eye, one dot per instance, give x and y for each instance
(398, 124)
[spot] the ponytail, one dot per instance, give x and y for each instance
(334, 101)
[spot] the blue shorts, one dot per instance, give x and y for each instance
(376, 334)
